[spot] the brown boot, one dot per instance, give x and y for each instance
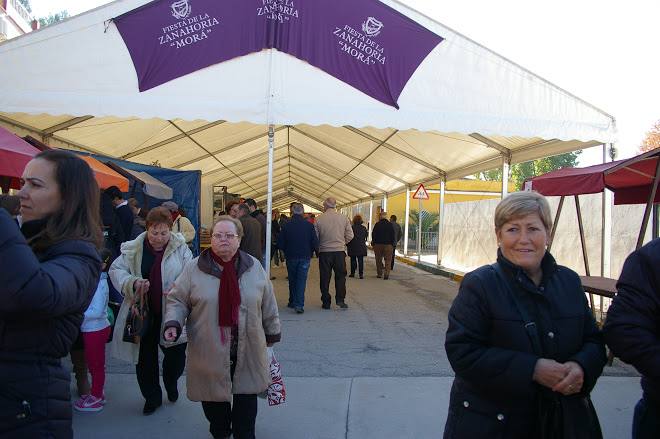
(80, 371)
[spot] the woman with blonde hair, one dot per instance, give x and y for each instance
(521, 338)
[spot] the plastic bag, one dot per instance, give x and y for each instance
(276, 392)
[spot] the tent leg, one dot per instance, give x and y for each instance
(584, 251)
(406, 226)
(656, 222)
(384, 203)
(506, 163)
(269, 205)
(441, 218)
(371, 217)
(556, 221)
(649, 205)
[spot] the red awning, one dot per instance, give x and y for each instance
(631, 180)
(15, 153)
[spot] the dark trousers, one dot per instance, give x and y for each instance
(147, 368)
(393, 257)
(226, 419)
(329, 262)
(357, 262)
(297, 270)
(646, 421)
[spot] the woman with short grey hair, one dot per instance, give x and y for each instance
(521, 339)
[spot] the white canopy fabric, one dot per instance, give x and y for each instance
(464, 110)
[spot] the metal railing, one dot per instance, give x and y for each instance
(18, 7)
(429, 242)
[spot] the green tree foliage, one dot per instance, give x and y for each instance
(53, 18)
(26, 5)
(522, 171)
(429, 220)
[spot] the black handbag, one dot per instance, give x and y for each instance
(558, 416)
(137, 320)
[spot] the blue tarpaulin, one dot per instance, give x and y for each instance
(185, 184)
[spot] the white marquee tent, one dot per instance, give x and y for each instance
(464, 110)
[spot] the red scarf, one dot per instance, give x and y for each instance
(175, 215)
(229, 294)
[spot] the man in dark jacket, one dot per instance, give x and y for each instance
(259, 216)
(124, 214)
(632, 331)
(383, 241)
(251, 240)
(397, 237)
(298, 240)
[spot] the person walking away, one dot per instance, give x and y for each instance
(334, 232)
(398, 234)
(95, 330)
(261, 217)
(383, 241)
(180, 223)
(51, 268)
(225, 299)
(251, 239)
(144, 273)
(632, 331)
(298, 240)
(357, 247)
(521, 338)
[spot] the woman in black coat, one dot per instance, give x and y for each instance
(48, 277)
(521, 337)
(357, 247)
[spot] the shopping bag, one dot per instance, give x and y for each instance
(276, 393)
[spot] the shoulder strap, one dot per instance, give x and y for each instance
(530, 326)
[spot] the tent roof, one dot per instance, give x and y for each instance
(630, 179)
(15, 153)
(152, 186)
(463, 110)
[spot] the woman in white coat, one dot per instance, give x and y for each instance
(146, 269)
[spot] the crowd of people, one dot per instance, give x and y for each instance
(522, 340)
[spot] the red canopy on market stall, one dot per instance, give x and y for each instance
(15, 153)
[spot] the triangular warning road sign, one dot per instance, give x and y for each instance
(420, 193)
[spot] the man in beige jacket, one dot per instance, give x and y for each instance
(334, 231)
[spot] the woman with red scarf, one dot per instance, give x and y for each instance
(227, 303)
(145, 272)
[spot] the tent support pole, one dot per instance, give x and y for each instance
(269, 204)
(556, 221)
(384, 203)
(419, 231)
(506, 162)
(406, 226)
(441, 218)
(649, 205)
(371, 215)
(606, 237)
(656, 225)
(584, 250)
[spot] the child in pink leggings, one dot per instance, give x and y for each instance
(95, 331)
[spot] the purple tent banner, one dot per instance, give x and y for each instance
(168, 39)
(363, 43)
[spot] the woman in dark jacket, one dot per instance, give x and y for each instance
(48, 279)
(521, 336)
(357, 247)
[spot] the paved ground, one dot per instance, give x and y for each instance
(376, 370)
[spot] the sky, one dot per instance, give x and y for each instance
(603, 51)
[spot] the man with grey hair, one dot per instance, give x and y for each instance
(298, 240)
(334, 232)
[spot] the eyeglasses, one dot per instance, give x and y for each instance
(224, 235)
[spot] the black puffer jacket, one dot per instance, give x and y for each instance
(42, 306)
(358, 245)
(632, 329)
(493, 394)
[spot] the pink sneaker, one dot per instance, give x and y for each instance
(88, 403)
(103, 400)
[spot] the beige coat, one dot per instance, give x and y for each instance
(126, 269)
(195, 298)
(334, 231)
(184, 226)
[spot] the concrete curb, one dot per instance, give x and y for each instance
(454, 275)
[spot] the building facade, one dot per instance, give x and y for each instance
(15, 20)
